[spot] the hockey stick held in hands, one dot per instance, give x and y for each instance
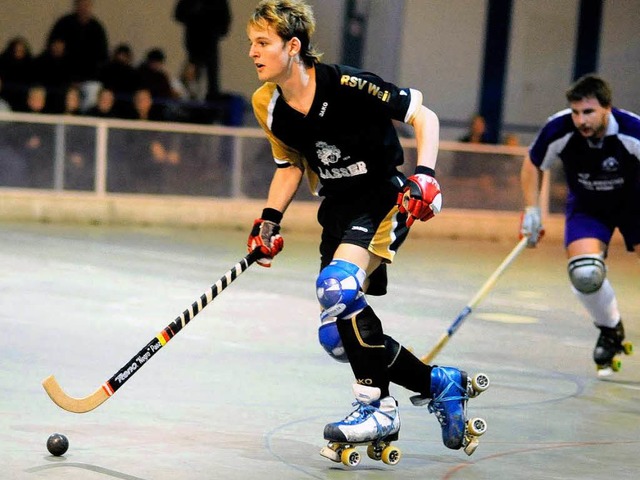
(97, 398)
(488, 285)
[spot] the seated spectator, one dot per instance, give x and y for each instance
(72, 101)
(36, 141)
(477, 131)
(104, 106)
(36, 101)
(142, 158)
(52, 69)
(154, 77)
(16, 70)
(120, 76)
(144, 107)
(194, 88)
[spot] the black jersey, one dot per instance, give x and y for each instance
(347, 140)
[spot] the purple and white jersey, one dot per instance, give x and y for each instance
(602, 176)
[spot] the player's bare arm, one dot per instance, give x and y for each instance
(427, 131)
(421, 198)
(284, 185)
(530, 181)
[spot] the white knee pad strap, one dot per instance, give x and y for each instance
(587, 272)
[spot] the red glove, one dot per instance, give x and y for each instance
(265, 236)
(420, 198)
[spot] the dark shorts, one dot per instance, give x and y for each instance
(581, 223)
(371, 221)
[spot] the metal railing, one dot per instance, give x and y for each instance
(104, 156)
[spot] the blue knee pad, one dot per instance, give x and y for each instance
(339, 293)
(329, 338)
(338, 289)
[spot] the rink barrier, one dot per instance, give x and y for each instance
(247, 152)
(20, 205)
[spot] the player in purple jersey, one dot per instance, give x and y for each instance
(599, 147)
(334, 123)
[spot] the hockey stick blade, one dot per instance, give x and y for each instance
(464, 313)
(108, 388)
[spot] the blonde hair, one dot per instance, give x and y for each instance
(289, 18)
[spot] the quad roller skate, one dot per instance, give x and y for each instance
(610, 343)
(374, 423)
(451, 389)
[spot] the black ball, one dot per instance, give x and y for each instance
(57, 444)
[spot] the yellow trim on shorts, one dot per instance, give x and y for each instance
(385, 235)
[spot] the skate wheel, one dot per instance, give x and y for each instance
(627, 348)
(471, 446)
(477, 426)
(616, 364)
(374, 453)
(480, 382)
(391, 455)
(350, 457)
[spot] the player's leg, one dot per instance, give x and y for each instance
(339, 291)
(586, 241)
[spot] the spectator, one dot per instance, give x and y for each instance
(16, 70)
(85, 39)
(104, 106)
(36, 101)
(477, 131)
(120, 76)
(205, 22)
(86, 45)
(36, 141)
(72, 101)
(143, 158)
(52, 69)
(144, 107)
(154, 77)
(193, 88)
(511, 140)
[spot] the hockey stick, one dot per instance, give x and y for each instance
(97, 398)
(474, 301)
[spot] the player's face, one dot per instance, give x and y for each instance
(589, 117)
(270, 54)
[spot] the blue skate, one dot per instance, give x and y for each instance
(374, 422)
(450, 390)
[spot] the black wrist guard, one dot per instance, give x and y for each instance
(421, 169)
(272, 215)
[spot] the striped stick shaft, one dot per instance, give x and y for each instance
(160, 340)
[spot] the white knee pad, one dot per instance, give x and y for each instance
(587, 272)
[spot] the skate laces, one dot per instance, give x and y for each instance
(437, 404)
(363, 412)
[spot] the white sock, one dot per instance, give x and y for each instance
(601, 305)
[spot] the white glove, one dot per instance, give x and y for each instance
(531, 226)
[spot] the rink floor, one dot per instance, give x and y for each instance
(244, 391)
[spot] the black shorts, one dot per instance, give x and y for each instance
(371, 221)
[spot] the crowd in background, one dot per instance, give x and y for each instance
(76, 73)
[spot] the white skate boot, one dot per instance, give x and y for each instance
(375, 422)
